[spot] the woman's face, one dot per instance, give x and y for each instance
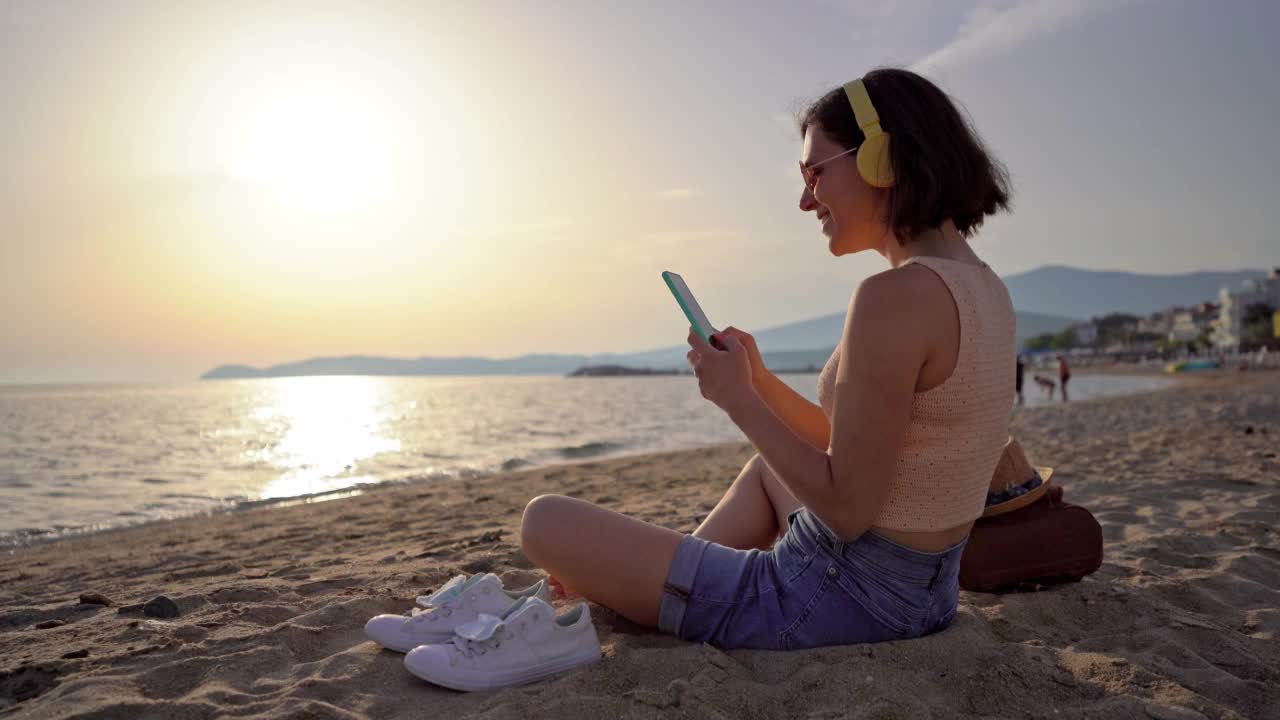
(849, 209)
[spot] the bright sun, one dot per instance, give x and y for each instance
(315, 152)
(317, 139)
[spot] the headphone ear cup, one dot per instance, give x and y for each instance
(874, 163)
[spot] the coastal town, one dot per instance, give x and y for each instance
(1241, 329)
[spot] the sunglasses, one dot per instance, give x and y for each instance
(810, 177)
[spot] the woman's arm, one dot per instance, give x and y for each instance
(803, 417)
(884, 345)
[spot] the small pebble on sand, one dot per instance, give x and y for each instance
(161, 607)
(94, 599)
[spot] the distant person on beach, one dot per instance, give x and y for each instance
(1064, 374)
(1017, 380)
(848, 524)
(1046, 384)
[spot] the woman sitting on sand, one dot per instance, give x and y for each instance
(848, 524)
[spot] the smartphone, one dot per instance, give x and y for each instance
(689, 305)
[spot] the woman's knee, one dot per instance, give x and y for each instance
(758, 469)
(754, 470)
(779, 495)
(541, 513)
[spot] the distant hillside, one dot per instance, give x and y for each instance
(372, 365)
(1047, 300)
(1085, 294)
(787, 347)
(1032, 324)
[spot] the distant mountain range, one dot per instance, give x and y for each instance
(1085, 294)
(795, 346)
(1048, 299)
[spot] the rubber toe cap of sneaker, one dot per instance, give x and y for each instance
(386, 631)
(427, 661)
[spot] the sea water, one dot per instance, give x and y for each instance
(82, 457)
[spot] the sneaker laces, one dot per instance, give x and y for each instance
(479, 636)
(471, 648)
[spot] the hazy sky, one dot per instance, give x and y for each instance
(188, 184)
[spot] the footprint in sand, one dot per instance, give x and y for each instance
(25, 683)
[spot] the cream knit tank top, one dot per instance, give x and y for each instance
(958, 429)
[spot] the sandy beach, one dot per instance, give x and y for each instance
(1180, 622)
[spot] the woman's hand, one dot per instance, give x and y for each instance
(724, 376)
(758, 371)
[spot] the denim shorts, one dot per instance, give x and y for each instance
(808, 590)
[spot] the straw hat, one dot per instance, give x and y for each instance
(1013, 470)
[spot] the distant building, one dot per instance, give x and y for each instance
(1157, 323)
(1189, 324)
(1086, 332)
(1184, 327)
(1228, 331)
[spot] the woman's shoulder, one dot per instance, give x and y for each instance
(902, 303)
(913, 285)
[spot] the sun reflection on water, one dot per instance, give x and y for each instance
(319, 429)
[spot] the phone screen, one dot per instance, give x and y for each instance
(689, 305)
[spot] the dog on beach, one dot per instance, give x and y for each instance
(1046, 384)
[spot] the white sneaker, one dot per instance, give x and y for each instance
(445, 592)
(528, 644)
(461, 601)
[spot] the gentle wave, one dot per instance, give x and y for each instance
(592, 449)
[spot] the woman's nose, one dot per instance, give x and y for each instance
(807, 202)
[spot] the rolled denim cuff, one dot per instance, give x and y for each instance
(675, 594)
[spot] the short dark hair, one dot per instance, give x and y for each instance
(941, 169)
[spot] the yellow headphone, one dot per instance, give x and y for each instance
(873, 156)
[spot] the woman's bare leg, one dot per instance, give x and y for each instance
(613, 559)
(753, 513)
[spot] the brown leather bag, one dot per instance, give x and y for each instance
(1048, 541)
